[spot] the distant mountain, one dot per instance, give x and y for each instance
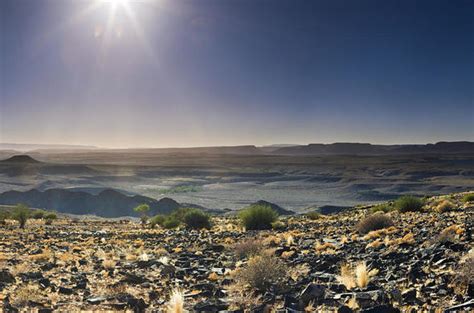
(20, 159)
(275, 207)
(30, 147)
(108, 203)
(25, 165)
(369, 149)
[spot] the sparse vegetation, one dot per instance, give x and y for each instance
(409, 204)
(374, 222)
(21, 213)
(257, 217)
(468, 197)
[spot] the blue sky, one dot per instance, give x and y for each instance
(163, 73)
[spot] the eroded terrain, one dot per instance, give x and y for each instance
(76, 265)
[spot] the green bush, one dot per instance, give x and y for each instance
(50, 216)
(38, 214)
(21, 213)
(157, 220)
(468, 198)
(197, 219)
(258, 217)
(171, 222)
(408, 204)
(180, 213)
(385, 208)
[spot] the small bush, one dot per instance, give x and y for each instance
(197, 219)
(21, 213)
(248, 248)
(278, 225)
(157, 220)
(374, 222)
(263, 272)
(258, 217)
(385, 208)
(409, 204)
(142, 209)
(468, 198)
(38, 214)
(465, 274)
(50, 216)
(313, 216)
(171, 222)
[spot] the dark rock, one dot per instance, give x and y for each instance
(44, 282)
(217, 248)
(344, 309)
(131, 278)
(312, 292)
(138, 305)
(65, 290)
(381, 309)
(409, 296)
(6, 277)
(210, 306)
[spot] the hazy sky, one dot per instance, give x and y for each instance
(224, 72)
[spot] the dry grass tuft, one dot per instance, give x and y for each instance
(176, 302)
(359, 277)
(450, 233)
(444, 206)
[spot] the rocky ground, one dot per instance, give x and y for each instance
(420, 263)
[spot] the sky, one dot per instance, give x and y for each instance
(174, 73)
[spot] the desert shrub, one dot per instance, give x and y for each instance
(50, 216)
(409, 204)
(38, 214)
(180, 213)
(385, 208)
(465, 273)
(142, 209)
(258, 217)
(248, 248)
(21, 213)
(468, 198)
(171, 222)
(444, 206)
(313, 215)
(278, 225)
(197, 219)
(374, 222)
(263, 272)
(157, 220)
(3, 216)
